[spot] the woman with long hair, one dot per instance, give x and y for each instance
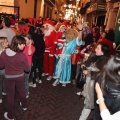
(93, 64)
(109, 81)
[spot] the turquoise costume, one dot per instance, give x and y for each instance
(63, 64)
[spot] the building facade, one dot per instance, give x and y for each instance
(93, 11)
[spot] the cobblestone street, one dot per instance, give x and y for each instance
(48, 103)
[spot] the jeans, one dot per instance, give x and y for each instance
(85, 113)
(26, 80)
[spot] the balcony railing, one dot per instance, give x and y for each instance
(97, 7)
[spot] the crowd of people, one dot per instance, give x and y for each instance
(32, 48)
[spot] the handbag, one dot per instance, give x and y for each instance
(81, 78)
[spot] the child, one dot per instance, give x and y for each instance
(28, 51)
(3, 46)
(15, 63)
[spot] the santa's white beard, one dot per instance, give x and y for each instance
(47, 32)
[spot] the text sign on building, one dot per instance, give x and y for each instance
(2, 15)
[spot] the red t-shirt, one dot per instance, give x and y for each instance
(29, 57)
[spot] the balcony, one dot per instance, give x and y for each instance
(96, 7)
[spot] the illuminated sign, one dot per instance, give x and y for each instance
(2, 15)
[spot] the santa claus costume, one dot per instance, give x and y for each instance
(50, 37)
(60, 43)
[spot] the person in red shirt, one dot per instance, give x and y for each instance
(28, 51)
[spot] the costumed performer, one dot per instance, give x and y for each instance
(50, 38)
(63, 66)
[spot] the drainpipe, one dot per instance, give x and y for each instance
(35, 8)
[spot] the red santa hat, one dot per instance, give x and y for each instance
(12, 21)
(64, 24)
(49, 22)
(30, 20)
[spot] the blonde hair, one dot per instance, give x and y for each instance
(71, 34)
(2, 40)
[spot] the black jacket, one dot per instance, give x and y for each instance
(39, 44)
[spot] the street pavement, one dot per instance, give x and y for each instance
(47, 102)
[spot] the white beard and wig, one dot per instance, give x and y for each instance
(62, 28)
(71, 34)
(48, 32)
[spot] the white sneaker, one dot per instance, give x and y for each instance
(27, 96)
(34, 85)
(64, 85)
(4, 93)
(0, 100)
(49, 78)
(54, 77)
(43, 74)
(6, 117)
(31, 84)
(23, 108)
(56, 82)
(78, 93)
(46, 74)
(39, 81)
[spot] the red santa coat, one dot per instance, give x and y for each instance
(50, 43)
(59, 47)
(50, 49)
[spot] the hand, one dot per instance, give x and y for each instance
(85, 72)
(88, 46)
(82, 65)
(98, 91)
(31, 42)
(79, 26)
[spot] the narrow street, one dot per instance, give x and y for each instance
(48, 103)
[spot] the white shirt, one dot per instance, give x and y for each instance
(105, 114)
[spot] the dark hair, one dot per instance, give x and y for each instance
(0, 22)
(110, 35)
(7, 22)
(15, 41)
(32, 29)
(105, 48)
(110, 73)
(29, 36)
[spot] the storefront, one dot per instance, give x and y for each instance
(95, 14)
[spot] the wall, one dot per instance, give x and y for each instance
(7, 10)
(26, 9)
